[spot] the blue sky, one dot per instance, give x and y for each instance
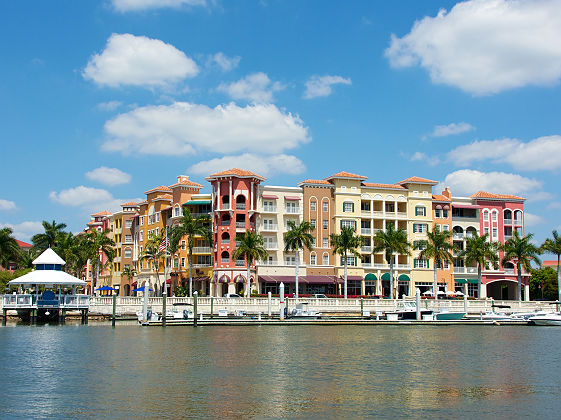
(101, 101)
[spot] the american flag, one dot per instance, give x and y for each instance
(164, 245)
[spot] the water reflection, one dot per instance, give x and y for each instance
(95, 371)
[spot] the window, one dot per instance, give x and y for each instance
(313, 259)
(420, 245)
(141, 235)
(420, 211)
(420, 227)
(325, 243)
(176, 211)
(128, 224)
(348, 223)
(420, 263)
(157, 231)
(445, 213)
(268, 224)
(292, 207)
(141, 249)
(158, 217)
(313, 242)
(313, 205)
(290, 260)
(325, 206)
(343, 188)
(443, 265)
(437, 213)
(313, 223)
(128, 253)
(183, 245)
(183, 262)
(325, 259)
(485, 215)
(495, 232)
(445, 228)
(269, 206)
(351, 261)
(326, 224)
(348, 207)
(486, 230)
(128, 239)
(141, 220)
(494, 216)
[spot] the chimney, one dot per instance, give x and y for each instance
(182, 178)
(446, 193)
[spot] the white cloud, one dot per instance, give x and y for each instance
(25, 230)
(260, 164)
(256, 87)
(556, 205)
(541, 153)
(89, 199)
(7, 205)
(451, 129)
(423, 157)
(486, 46)
(419, 156)
(466, 182)
(186, 128)
(140, 5)
(318, 86)
(109, 106)
(224, 62)
(531, 219)
(138, 61)
(109, 176)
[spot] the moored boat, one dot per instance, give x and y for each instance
(553, 319)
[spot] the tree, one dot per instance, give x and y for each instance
(128, 272)
(553, 246)
(543, 284)
(9, 248)
(345, 243)
(390, 242)
(49, 238)
(298, 237)
(480, 251)
(251, 248)
(437, 247)
(190, 227)
(99, 242)
(152, 253)
(522, 251)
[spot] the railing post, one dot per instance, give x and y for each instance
(114, 310)
(164, 309)
(195, 294)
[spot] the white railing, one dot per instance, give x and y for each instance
(225, 223)
(366, 265)
(203, 249)
(459, 269)
(378, 213)
(517, 222)
(403, 266)
(240, 225)
(401, 215)
(269, 209)
(30, 301)
(271, 246)
(509, 270)
(365, 213)
(507, 237)
(508, 221)
(240, 263)
(205, 265)
(458, 236)
(270, 228)
(365, 231)
(471, 270)
(292, 210)
(225, 242)
(225, 260)
(366, 248)
(380, 266)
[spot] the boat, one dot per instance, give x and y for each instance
(551, 319)
(150, 316)
(495, 316)
(301, 311)
(445, 315)
(180, 311)
(407, 310)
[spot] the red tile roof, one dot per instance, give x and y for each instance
(440, 197)
(236, 172)
(378, 185)
(22, 244)
(417, 180)
(164, 197)
(484, 194)
(130, 203)
(102, 213)
(160, 188)
(186, 182)
(344, 174)
(315, 181)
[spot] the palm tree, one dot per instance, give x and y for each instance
(553, 246)
(9, 248)
(128, 272)
(298, 237)
(50, 237)
(438, 247)
(480, 251)
(523, 251)
(251, 247)
(80, 254)
(389, 242)
(65, 247)
(152, 253)
(345, 243)
(190, 227)
(99, 242)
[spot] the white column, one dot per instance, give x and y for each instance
(218, 204)
(251, 196)
(526, 293)
(231, 195)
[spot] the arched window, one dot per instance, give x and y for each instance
(225, 238)
(240, 202)
(225, 200)
(313, 258)
(225, 221)
(486, 215)
(225, 257)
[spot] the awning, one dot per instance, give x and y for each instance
(301, 279)
(404, 277)
(446, 207)
(352, 278)
(269, 197)
(473, 281)
(385, 276)
(321, 279)
(239, 279)
(438, 206)
(465, 206)
(224, 279)
(461, 281)
(195, 202)
(291, 197)
(370, 276)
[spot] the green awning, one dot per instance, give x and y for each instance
(195, 202)
(473, 281)
(385, 276)
(370, 276)
(461, 281)
(404, 277)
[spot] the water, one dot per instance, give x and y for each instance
(95, 371)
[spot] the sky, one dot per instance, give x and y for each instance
(103, 100)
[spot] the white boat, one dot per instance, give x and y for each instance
(527, 315)
(180, 311)
(151, 316)
(302, 311)
(495, 316)
(406, 310)
(551, 319)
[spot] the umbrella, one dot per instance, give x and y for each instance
(440, 292)
(451, 293)
(427, 293)
(105, 288)
(141, 289)
(459, 294)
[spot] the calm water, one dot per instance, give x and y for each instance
(268, 372)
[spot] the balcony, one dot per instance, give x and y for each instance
(458, 236)
(366, 248)
(270, 228)
(202, 249)
(269, 209)
(365, 231)
(240, 263)
(292, 210)
(225, 260)
(459, 270)
(401, 215)
(240, 206)
(224, 223)
(365, 213)
(238, 243)
(380, 266)
(507, 237)
(205, 265)
(509, 270)
(366, 265)
(225, 242)
(240, 225)
(271, 246)
(403, 266)
(508, 221)
(377, 213)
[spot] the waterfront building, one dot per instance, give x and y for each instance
(98, 222)
(442, 218)
(234, 211)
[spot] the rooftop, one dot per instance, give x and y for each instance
(162, 188)
(484, 194)
(22, 244)
(48, 256)
(344, 174)
(102, 213)
(388, 186)
(440, 197)
(185, 181)
(315, 181)
(236, 172)
(417, 180)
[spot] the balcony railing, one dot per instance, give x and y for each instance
(225, 242)
(365, 231)
(203, 249)
(240, 206)
(366, 248)
(240, 225)
(517, 222)
(403, 266)
(401, 214)
(270, 228)
(507, 237)
(378, 213)
(204, 265)
(225, 260)
(508, 221)
(365, 213)
(269, 209)
(240, 263)
(271, 245)
(225, 223)
(292, 210)
(458, 235)
(509, 270)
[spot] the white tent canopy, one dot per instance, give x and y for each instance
(48, 277)
(48, 256)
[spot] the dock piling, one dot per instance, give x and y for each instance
(164, 309)
(4, 313)
(114, 310)
(269, 304)
(195, 294)
(418, 304)
(211, 306)
(281, 301)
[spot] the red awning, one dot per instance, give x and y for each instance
(465, 206)
(168, 281)
(438, 207)
(269, 197)
(301, 279)
(291, 197)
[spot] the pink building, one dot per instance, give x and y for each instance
(234, 211)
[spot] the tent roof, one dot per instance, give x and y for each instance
(49, 257)
(48, 277)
